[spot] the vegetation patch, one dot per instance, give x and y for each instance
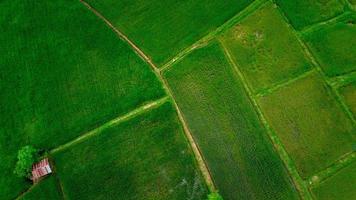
(303, 13)
(265, 49)
(341, 186)
(349, 94)
(162, 29)
(312, 125)
(146, 157)
(63, 72)
(226, 127)
(334, 46)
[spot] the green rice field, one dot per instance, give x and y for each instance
(176, 100)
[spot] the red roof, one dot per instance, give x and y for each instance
(40, 169)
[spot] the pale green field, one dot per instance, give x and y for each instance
(311, 124)
(265, 49)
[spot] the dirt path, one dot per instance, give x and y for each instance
(201, 163)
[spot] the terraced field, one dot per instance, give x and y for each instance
(255, 99)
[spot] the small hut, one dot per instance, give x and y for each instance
(40, 170)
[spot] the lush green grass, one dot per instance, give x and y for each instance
(47, 189)
(302, 13)
(222, 120)
(63, 72)
(349, 94)
(340, 186)
(146, 157)
(334, 45)
(310, 122)
(164, 28)
(265, 49)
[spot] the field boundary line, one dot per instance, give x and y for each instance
(313, 27)
(138, 111)
(343, 79)
(25, 192)
(326, 173)
(285, 83)
(278, 145)
(252, 7)
(316, 65)
(197, 153)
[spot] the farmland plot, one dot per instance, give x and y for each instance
(341, 186)
(334, 46)
(311, 124)
(146, 157)
(226, 128)
(349, 94)
(63, 72)
(47, 189)
(265, 49)
(164, 28)
(303, 13)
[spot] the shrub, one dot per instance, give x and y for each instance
(215, 196)
(26, 156)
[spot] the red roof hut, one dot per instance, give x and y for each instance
(40, 169)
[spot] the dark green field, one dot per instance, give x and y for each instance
(304, 13)
(173, 100)
(335, 45)
(47, 189)
(226, 127)
(58, 84)
(144, 158)
(164, 28)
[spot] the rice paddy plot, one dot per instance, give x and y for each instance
(349, 94)
(303, 13)
(47, 189)
(334, 45)
(265, 49)
(226, 127)
(162, 29)
(63, 72)
(313, 127)
(341, 186)
(146, 157)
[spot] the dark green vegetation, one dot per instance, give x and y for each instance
(310, 122)
(349, 94)
(341, 186)
(226, 127)
(164, 28)
(60, 79)
(302, 13)
(334, 46)
(26, 156)
(146, 157)
(265, 49)
(46, 189)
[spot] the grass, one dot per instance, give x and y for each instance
(334, 46)
(224, 124)
(162, 29)
(44, 190)
(265, 49)
(349, 94)
(341, 186)
(310, 122)
(63, 72)
(146, 157)
(303, 13)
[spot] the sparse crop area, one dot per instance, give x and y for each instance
(177, 100)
